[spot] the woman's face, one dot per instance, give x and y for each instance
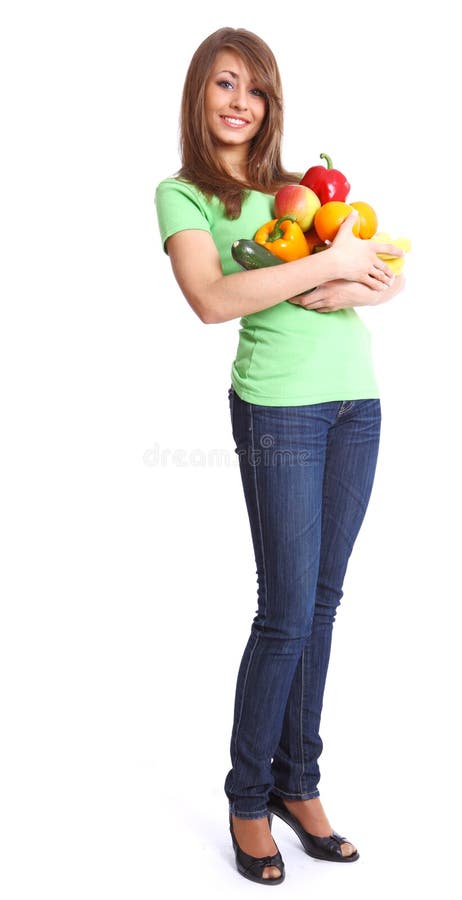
(235, 105)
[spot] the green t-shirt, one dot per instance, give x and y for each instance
(286, 355)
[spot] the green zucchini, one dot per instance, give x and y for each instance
(251, 255)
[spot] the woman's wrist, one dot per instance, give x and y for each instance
(327, 263)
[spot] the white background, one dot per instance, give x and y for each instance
(129, 579)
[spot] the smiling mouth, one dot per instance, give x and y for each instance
(234, 122)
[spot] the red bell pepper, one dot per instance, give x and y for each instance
(328, 184)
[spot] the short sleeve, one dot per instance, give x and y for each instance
(180, 206)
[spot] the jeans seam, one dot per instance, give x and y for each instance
(302, 758)
(257, 638)
(243, 696)
(291, 795)
(259, 516)
(259, 814)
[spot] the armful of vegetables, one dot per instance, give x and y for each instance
(275, 243)
(309, 216)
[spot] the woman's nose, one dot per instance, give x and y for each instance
(240, 98)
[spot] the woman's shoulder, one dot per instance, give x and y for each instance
(180, 205)
(174, 184)
(169, 179)
(175, 191)
(181, 200)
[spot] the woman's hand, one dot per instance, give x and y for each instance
(340, 294)
(357, 259)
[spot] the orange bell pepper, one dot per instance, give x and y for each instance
(284, 238)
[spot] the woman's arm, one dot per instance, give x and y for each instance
(215, 297)
(340, 294)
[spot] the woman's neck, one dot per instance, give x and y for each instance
(235, 162)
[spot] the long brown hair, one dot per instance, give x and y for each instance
(200, 164)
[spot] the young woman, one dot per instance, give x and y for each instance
(305, 415)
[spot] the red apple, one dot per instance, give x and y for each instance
(299, 201)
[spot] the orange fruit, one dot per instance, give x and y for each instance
(368, 221)
(328, 219)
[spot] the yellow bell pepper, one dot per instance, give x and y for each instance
(284, 238)
(396, 263)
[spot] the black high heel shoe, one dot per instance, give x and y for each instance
(317, 847)
(251, 867)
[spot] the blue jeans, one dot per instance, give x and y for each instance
(307, 474)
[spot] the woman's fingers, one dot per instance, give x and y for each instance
(389, 249)
(309, 300)
(348, 223)
(345, 231)
(383, 274)
(379, 280)
(381, 270)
